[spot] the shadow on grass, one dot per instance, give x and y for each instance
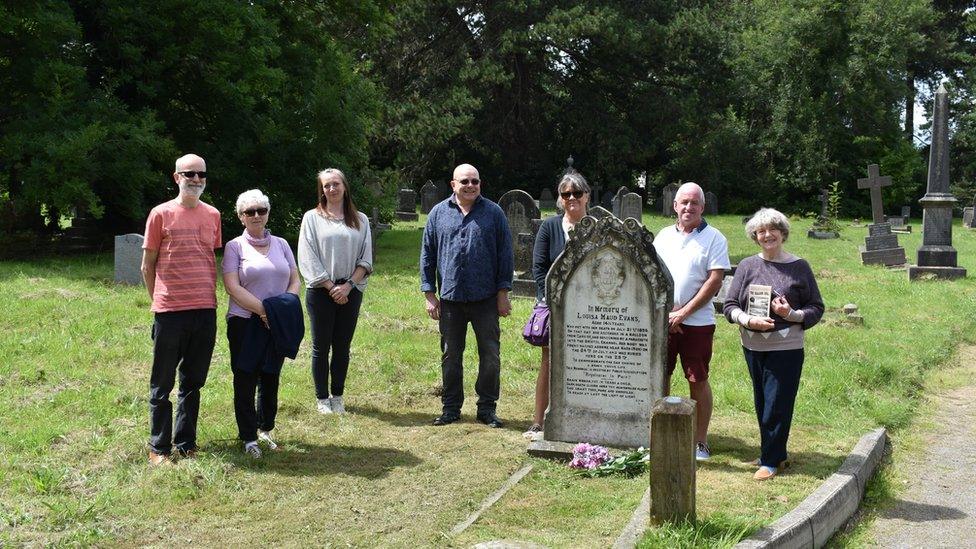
(303, 459)
(420, 419)
(816, 464)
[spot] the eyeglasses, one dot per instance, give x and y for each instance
(574, 194)
(254, 212)
(190, 174)
(472, 182)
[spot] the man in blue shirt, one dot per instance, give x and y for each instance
(467, 255)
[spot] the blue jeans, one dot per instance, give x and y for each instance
(454, 319)
(183, 342)
(775, 382)
(333, 326)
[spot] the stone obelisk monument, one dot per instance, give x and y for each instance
(936, 256)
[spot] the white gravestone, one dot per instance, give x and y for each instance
(128, 259)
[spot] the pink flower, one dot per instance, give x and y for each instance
(589, 456)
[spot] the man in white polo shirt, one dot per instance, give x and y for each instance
(697, 256)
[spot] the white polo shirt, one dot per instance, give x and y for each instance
(689, 258)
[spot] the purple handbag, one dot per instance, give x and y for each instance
(536, 330)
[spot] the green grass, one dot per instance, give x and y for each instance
(74, 368)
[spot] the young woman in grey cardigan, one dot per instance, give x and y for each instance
(773, 343)
(335, 257)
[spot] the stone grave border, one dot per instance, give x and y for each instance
(816, 518)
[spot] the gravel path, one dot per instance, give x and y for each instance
(939, 507)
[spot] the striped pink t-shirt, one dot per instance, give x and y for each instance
(186, 270)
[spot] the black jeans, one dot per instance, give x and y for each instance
(454, 319)
(333, 326)
(251, 417)
(775, 382)
(183, 342)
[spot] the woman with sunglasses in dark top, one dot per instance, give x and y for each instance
(256, 266)
(335, 257)
(573, 197)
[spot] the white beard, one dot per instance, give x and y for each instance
(188, 190)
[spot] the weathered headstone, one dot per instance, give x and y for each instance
(406, 209)
(376, 228)
(667, 199)
(711, 203)
(936, 257)
(880, 246)
(672, 461)
(428, 197)
(630, 207)
(523, 224)
(609, 297)
(547, 200)
(823, 227)
(617, 200)
(128, 259)
(598, 212)
(906, 211)
(967, 217)
(899, 224)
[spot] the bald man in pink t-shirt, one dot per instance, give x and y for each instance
(180, 272)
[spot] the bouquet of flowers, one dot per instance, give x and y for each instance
(595, 461)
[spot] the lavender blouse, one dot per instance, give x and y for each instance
(263, 276)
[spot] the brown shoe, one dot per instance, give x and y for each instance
(158, 459)
(187, 454)
(785, 464)
(764, 473)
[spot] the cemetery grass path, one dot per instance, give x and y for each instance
(934, 495)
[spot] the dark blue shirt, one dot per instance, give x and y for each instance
(467, 257)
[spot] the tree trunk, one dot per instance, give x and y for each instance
(910, 105)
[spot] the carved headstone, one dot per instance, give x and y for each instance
(609, 297)
(428, 197)
(936, 256)
(711, 203)
(523, 224)
(547, 201)
(630, 207)
(880, 246)
(406, 209)
(598, 212)
(616, 201)
(667, 199)
(128, 259)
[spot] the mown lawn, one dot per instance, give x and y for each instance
(74, 362)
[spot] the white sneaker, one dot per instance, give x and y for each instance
(337, 406)
(324, 406)
(265, 436)
(251, 449)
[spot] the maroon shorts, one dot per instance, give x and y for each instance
(694, 346)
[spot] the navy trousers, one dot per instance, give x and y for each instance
(775, 381)
(251, 415)
(183, 343)
(454, 320)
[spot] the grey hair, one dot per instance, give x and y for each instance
(570, 182)
(768, 217)
(690, 184)
(252, 196)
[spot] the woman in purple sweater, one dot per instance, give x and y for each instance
(256, 266)
(773, 342)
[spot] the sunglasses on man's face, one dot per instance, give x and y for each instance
(191, 173)
(472, 182)
(254, 212)
(574, 194)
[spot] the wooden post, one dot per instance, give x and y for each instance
(673, 460)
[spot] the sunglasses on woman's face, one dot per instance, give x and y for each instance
(574, 194)
(254, 212)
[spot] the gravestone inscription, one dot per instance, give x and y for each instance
(609, 298)
(406, 205)
(630, 207)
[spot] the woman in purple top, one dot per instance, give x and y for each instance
(256, 266)
(772, 339)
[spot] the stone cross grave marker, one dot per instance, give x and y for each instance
(609, 297)
(429, 197)
(128, 259)
(547, 201)
(406, 205)
(936, 256)
(875, 182)
(523, 224)
(880, 246)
